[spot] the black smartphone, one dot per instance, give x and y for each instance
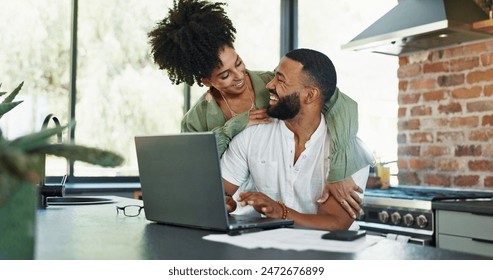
(344, 235)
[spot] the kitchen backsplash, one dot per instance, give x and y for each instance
(446, 117)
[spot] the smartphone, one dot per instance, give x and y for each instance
(344, 235)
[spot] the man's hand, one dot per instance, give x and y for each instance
(345, 193)
(261, 203)
(230, 204)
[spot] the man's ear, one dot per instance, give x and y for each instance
(206, 82)
(312, 94)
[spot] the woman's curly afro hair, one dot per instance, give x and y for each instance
(187, 42)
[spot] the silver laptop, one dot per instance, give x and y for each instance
(181, 183)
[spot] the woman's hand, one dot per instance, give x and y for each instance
(344, 192)
(258, 117)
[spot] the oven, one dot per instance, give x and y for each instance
(405, 213)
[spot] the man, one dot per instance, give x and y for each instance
(281, 166)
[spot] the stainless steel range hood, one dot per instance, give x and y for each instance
(416, 25)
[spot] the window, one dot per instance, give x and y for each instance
(120, 91)
(35, 48)
(368, 78)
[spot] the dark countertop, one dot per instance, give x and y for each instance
(478, 206)
(97, 232)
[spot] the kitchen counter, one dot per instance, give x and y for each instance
(98, 232)
(476, 206)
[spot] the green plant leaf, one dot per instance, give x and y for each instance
(34, 140)
(8, 185)
(13, 94)
(81, 153)
(18, 164)
(5, 107)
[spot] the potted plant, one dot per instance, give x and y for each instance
(21, 170)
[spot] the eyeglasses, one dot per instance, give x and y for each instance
(130, 210)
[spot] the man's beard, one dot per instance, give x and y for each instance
(286, 108)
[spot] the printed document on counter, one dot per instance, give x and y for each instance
(294, 239)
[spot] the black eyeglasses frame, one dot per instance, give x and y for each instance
(124, 208)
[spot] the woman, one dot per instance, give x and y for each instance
(194, 43)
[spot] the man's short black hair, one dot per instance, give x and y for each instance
(187, 42)
(319, 69)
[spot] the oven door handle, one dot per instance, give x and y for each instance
(482, 240)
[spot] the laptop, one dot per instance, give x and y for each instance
(181, 184)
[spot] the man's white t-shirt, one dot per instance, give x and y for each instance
(261, 157)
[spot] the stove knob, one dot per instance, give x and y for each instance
(421, 221)
(408, 219)
(395, 218)
(383, 216)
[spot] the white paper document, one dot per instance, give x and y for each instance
(403, 239)
(294, 239)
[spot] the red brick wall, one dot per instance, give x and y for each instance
(445, 117)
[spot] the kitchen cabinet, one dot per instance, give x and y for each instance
(465, 226)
